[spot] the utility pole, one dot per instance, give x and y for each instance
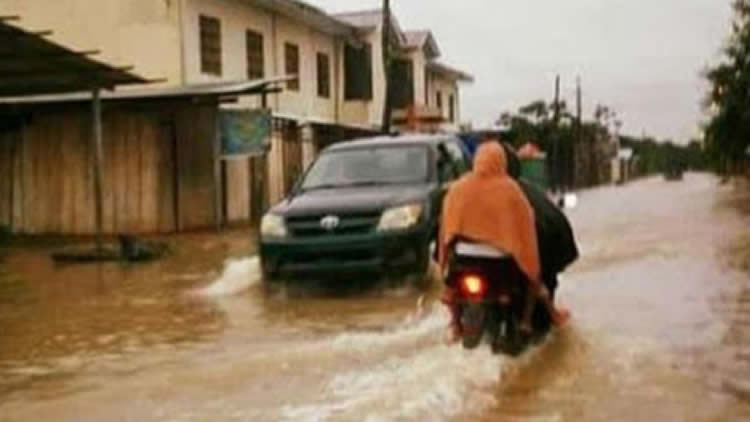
(557, 167)
(386, 48)
(98, 159)
(557, 100)
(579, 123)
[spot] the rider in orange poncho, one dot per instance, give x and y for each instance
(488, 206)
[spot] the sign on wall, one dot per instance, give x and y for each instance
(245, 132)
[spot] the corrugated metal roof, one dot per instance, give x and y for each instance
(361, 18)
(371, 19)
(323, 121)
(33, 65)
(450, 71)
(202, 90)
(304, 12)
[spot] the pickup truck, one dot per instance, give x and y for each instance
(369, 206)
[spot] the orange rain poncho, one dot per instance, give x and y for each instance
(488, 206)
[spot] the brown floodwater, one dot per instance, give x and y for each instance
(660, 331)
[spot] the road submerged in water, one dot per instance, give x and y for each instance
(660, 331)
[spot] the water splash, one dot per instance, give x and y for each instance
(238, 276)
(426, 380)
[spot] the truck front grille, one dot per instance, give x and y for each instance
(349, 224)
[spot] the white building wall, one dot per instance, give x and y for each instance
(236, 18)
(446, 87)
(148, 35)
(140, 33)
(419, 61)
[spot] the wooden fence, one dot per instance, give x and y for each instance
(158, 169)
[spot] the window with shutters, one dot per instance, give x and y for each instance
(426, 87)
(451, 108)
(291, 65)
(439, 101)
(324, 76)
(255, 59)
(210, 45)
(402, 84)
(358, 72)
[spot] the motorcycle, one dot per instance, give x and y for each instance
(491, 298)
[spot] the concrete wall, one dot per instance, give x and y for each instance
(236, 18)
(419, 62)
(141, 33)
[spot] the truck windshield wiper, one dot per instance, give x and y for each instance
(363, 183)
(319, 187)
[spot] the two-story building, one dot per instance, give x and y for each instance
(419, 81)
(339, 91)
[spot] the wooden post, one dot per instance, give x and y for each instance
(386, 47)
(556, 173)
(579, 125)
(176, 179)
(217, 172)
(14, 145)
(98, 158)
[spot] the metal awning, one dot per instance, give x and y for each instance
(449, 71)
(30, 64)
(217, 89)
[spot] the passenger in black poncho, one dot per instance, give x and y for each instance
(555, 239)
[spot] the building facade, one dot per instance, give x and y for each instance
(339, 92)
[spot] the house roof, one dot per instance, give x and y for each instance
(304, 12)
(450, 72)
(368, 20)
(423, 39)
(220, 89)
(32, 65)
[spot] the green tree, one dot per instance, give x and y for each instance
(535, 122)
(728, 100)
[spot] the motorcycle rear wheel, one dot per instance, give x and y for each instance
(509, 341)
(473, 320)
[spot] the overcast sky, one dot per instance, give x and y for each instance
(642, 57)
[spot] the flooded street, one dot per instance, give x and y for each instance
(660, 331)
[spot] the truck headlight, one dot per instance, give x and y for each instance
(273, 225)
(401, 218)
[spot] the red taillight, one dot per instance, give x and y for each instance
(473, 284)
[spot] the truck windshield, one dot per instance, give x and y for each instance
(368, 166)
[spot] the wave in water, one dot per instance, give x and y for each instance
(238, 276)
(419, 378)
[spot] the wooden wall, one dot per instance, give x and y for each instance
(259, 187)
(237, 189)
(157, 170)
(292, 155)
(246, 189)
(8, 142)
(138, 173)
(196, 130)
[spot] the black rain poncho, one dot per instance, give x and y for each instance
(557, 245)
